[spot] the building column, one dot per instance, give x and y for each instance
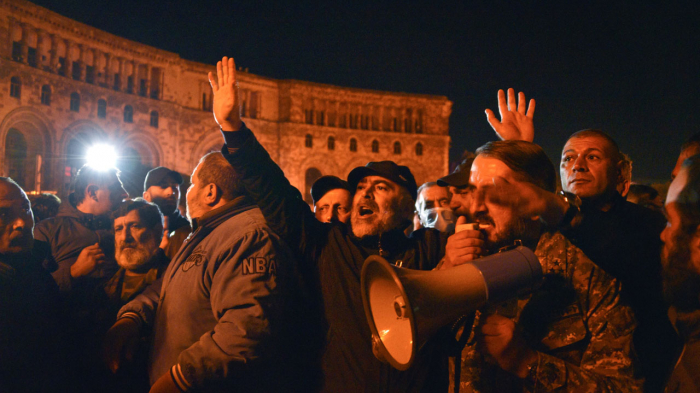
(53, 54)
(108, 70)
(24, 44)
(40, 34)
(96, 58)
(120, 61)
(13, 25)
(69, 59)
(81, 61)
(135, 77)
(148, 80)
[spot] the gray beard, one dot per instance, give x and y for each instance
(135, 258)
(384, 223)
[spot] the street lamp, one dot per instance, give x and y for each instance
(101, 156)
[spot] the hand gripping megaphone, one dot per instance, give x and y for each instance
(405, 307)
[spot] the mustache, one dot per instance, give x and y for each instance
(122, 246)
(483, 218)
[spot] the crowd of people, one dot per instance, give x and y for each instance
(256, 291)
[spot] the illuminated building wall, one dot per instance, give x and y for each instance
(65, 85)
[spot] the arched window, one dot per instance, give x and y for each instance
(128, 114)
(75, 102)
(312, 174)
(46, 95)
(15, 87)
(375, 146)
(308, 140)
(397, 147)
(101, 108)
(154, 119)
(353, 144)
(331, 143)
(419, 149)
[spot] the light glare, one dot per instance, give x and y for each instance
(101, 157)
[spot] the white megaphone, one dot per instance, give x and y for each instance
(405, 307)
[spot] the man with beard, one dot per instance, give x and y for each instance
(226, 314)
(30, 329)
(162, 187)
(681, 260)
(575, 332)
(332, 255)
(619, 236)
(138, 231)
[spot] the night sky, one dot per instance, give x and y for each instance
(631, 69)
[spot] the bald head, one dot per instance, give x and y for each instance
(16, 219)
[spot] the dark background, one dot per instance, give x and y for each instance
(629, 68)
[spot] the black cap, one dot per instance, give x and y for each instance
(325, 184)
(460, 177)
(156, 175)
(399, 174)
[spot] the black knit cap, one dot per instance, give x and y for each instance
(156, 175)
(325, 184)
(399, 174)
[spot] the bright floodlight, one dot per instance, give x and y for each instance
(101, 157)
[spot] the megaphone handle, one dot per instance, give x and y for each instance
(466, 324)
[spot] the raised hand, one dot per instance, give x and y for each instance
(226, 104)
(516, 122)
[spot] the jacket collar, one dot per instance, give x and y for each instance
(215, 217)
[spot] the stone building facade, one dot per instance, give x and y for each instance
(65, 85)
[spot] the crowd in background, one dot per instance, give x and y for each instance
(256, 291)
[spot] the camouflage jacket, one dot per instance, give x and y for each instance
(577, 324)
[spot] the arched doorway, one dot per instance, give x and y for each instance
(16, 157)
(312, 174)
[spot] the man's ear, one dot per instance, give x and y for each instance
(91, 191)
(212, 194)
(147, 196)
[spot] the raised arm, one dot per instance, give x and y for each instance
(516, 121)
(281, 204)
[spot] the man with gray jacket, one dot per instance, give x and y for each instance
(227, 312)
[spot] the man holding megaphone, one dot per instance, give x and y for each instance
(332, 254)
(575, 332)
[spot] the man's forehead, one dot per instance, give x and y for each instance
(132, 216)
(376, 179)
(589, 142)
(434, 192)
(487, 168)
(336, 195)
(677, 186)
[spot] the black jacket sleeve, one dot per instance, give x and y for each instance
(280, 202)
